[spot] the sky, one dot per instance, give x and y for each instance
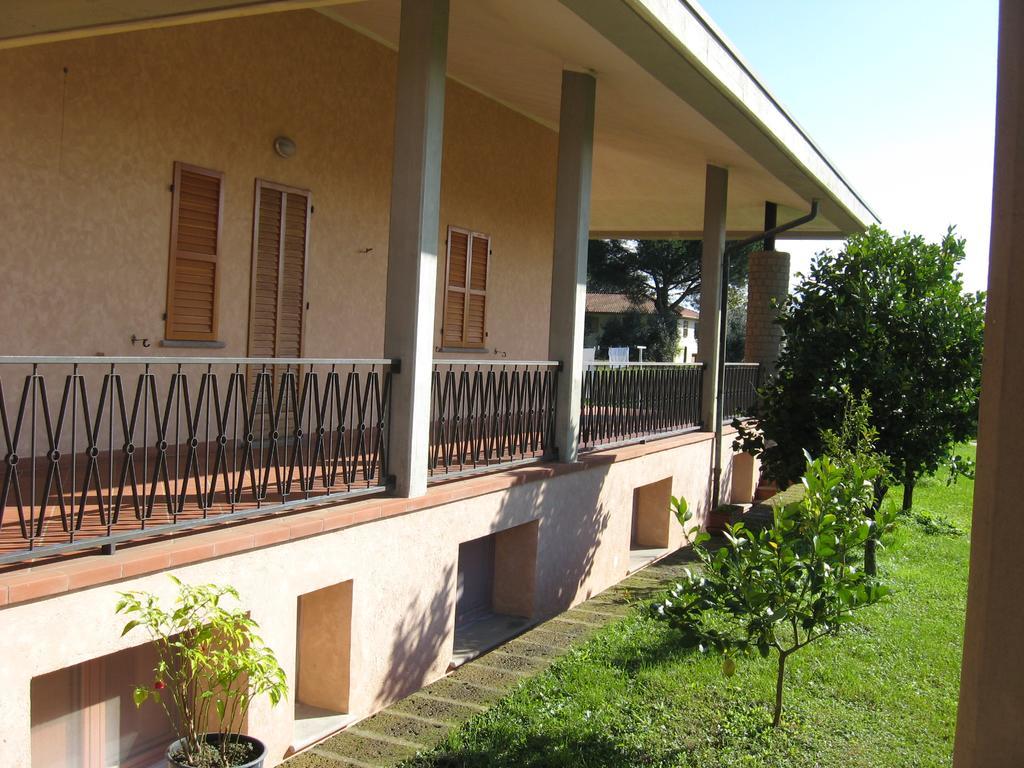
(898, 94)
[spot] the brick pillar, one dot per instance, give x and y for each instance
(767, 288)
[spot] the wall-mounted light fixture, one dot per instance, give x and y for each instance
(284, 147)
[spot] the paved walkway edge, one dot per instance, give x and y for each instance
(418, 722)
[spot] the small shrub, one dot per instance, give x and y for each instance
(933, 525)
(782, 588)
(211, 664)
(853, 445)
(960, 466)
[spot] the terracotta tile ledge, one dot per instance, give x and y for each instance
(54, 578)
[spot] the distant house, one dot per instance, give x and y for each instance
(604, 307)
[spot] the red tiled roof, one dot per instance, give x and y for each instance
(620, 303)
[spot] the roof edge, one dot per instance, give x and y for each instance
(676, 43)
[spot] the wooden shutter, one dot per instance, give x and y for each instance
(464, 323)
(196, 213)
(278, 295)
(293, 275)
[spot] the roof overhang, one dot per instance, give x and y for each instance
(673, 97)
(676, 42)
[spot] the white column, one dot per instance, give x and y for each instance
(569, 272)
(413, 236)
(716, 187)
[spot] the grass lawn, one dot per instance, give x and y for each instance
(882, 694)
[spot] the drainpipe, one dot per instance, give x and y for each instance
(768, 236)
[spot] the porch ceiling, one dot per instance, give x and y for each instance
(672, 96)
(28, 22)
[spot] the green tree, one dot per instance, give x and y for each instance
(664, 272)
(634, 329)
(886, 318)
(736, 333)
(780, 589)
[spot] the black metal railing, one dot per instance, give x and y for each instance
(633, 401)
(489, 414)
(739, 390)
(102, 450)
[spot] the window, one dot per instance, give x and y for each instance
(84, 716)
(196, 211)
(686, 329)
(464, 323)
(277, 303)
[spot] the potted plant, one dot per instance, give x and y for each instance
(211, 665)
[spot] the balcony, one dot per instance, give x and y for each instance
(100, 451)
(104, 451)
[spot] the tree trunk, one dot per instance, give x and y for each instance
(908, 491)
(871, 545)
(777, 717)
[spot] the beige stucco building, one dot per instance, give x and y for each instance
(293, 300)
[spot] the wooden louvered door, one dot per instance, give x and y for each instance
(196, 213)
(464, 323)
(278, 294)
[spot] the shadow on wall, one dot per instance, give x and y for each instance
(573, 525)
(422, 639)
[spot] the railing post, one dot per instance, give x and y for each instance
(569, 272)
(413, 236)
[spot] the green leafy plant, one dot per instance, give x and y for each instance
(934, 525)
(211, 665)
(887, 317)
(960, 466)
(852, 447)
(784, 587)
(681, 510)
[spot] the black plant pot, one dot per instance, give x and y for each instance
(259, 748)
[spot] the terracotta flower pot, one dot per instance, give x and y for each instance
(259, 748)
(717, 519)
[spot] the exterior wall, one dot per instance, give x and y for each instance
(687, 343)
(86, 160)
(403, 572)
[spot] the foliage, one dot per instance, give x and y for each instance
(664, 272)
(681, 510)
(852, 447)
(960, 466)
(736, 325)
(634, 329)
(933, 525)
(882, 694)
(888, 318)
(784, 587)
(854, 443)
(211, 664)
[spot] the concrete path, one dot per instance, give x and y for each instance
(418, 722)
